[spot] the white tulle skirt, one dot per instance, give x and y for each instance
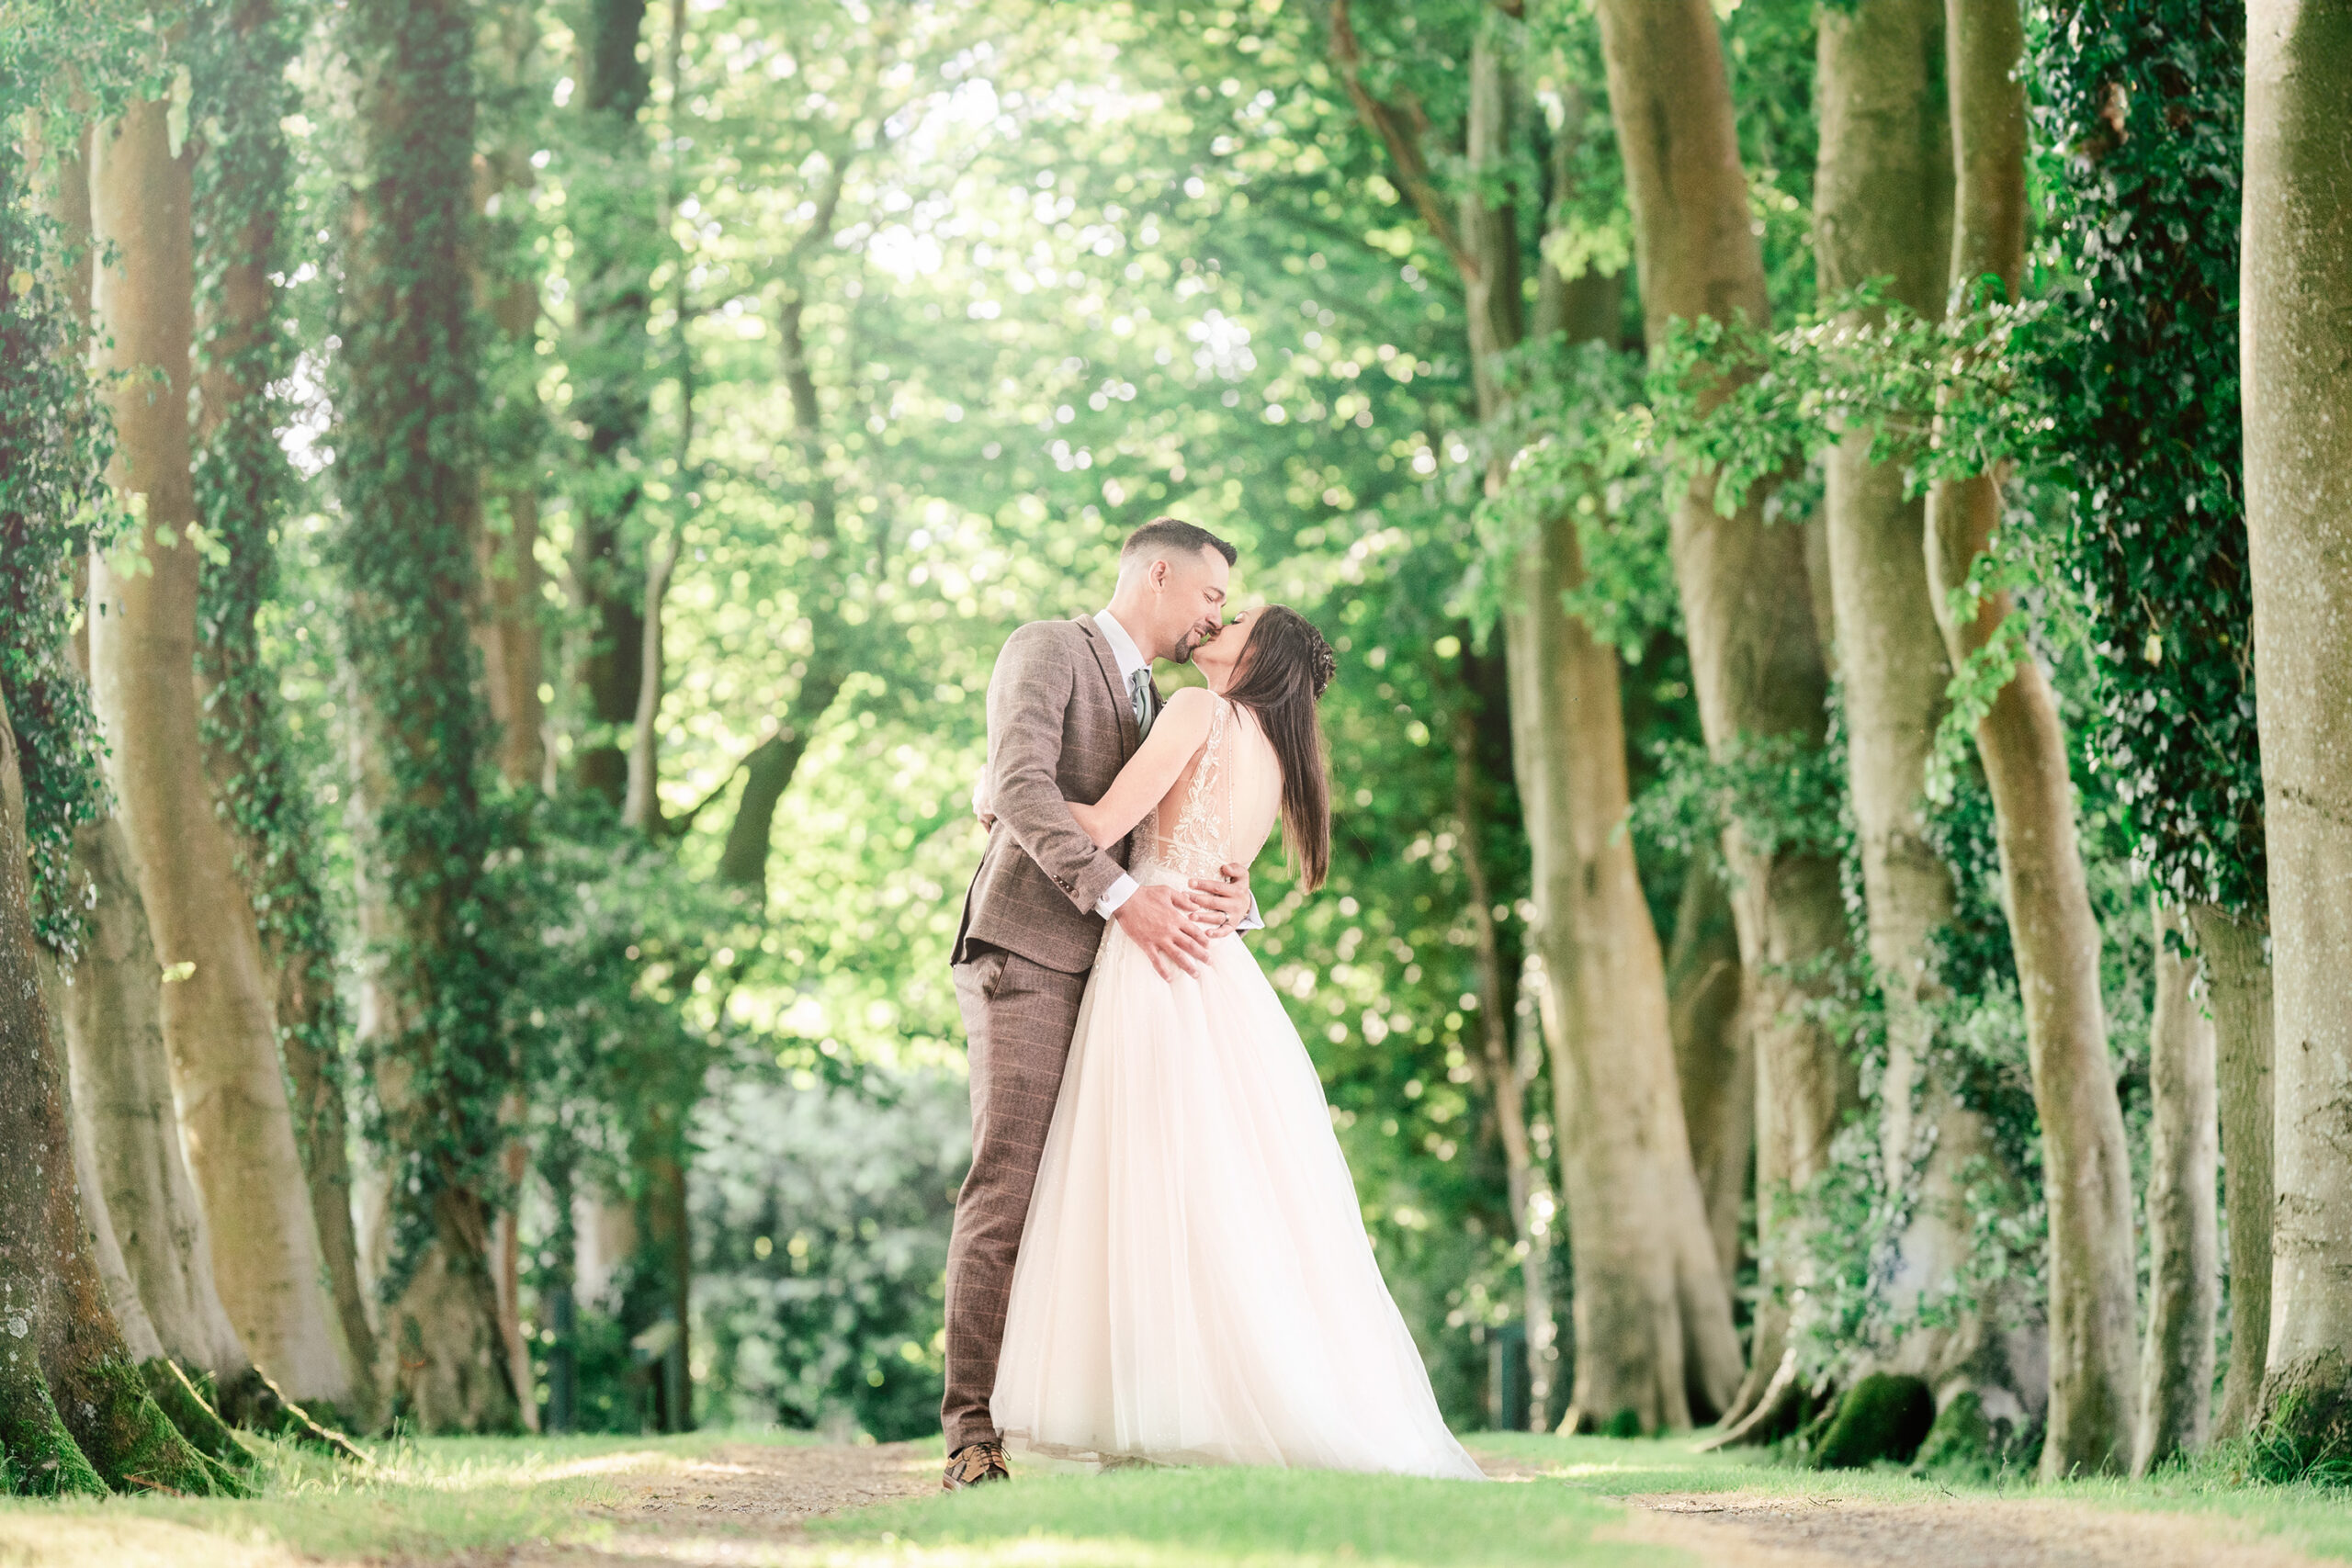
(1195, 1284)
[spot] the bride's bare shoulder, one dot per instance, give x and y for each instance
(1189, 711)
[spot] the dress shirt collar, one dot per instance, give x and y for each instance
(1122, 646)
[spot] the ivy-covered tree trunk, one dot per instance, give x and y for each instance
(2053, 931)
(2297, 346)
(220, 1017)
(2184, 1227)
(243, 493)
(408, 463)
(2237, 978)
(2147, 99)
(1755, 656)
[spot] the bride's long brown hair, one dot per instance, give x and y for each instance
(1284, 672)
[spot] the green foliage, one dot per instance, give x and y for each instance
(2139, 111)
(54, 443)
(824, 1235)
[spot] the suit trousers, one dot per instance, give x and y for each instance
(1019, 1018)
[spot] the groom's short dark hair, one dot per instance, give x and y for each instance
(1175, 537)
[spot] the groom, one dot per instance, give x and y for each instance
(1067, 706)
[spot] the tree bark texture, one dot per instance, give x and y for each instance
(1653, 1333)
(1713, 1053)
(1756, 655)
(220, 1020)
(75, 1412)
(2238, 989)
(2295, 347)
(2093, 1283)
(2184, 1225)
(112, 1016)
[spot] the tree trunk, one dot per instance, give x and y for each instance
(2184, 1239)
(1713, 1053)
(244, 492)
(2237, 980)
(2053, 931)
(109, 1008)
(1755, 656)
(407, 463)
(2297, 353)
(74, 1409)
(1883, 210)
(122, 1098)
(1654, 1344)
(1497, 1062)
(611, 358)
(220, 1020)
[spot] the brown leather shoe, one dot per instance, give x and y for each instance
(974, 1463)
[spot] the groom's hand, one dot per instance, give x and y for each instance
(1164, 924)
(1224, 900)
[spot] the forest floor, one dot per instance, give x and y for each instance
(761, 1500)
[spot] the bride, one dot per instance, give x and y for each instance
(1194, 1285)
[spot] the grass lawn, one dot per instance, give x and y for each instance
(453, 1500)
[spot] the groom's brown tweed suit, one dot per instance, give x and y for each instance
(1060, 726)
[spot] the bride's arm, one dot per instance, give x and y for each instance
(1182, 725)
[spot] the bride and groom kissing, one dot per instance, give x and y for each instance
(1157, 1256)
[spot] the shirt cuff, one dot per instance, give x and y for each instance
(1251, 922)
(1118, 893)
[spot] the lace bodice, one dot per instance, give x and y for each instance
(1220, 809)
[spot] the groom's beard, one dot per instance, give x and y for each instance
(1187, 645)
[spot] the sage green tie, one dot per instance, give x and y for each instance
(1139, 689)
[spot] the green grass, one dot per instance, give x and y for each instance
(424, 1499)
(451, 1500)
(1259, 1517)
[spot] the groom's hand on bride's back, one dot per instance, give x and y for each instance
(1168, 926)
(1225, 900)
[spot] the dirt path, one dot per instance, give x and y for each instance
(1741, 1529)
(743, 1503)
(729, 1505)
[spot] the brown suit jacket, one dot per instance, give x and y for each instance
(1060, 727)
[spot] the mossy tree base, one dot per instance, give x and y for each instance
(125, 1433)
(192, 1412)
(1885, 1416)
(2304, 1431)
(1966, 1443)
(38, 1458)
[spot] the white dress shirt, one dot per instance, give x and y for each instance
(1131, 659)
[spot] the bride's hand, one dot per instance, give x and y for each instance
(1226, 898)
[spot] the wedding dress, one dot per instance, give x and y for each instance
(1194, 1285)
